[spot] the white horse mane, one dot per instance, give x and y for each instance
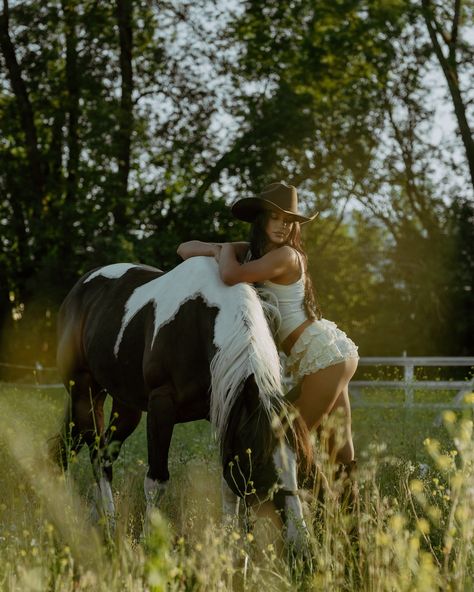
(244, 343)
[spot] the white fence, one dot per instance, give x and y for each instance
(409, 385)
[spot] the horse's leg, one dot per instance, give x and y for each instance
(287, 501)
(230, 504)
(84, 424)
(80, 421)
(123, 421)
(160, 423)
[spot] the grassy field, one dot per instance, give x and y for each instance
(414, 519)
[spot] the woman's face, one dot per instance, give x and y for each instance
(278, 228)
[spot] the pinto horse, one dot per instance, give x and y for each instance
(181, 346)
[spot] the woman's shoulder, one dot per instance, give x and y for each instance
(293, 257)
(286, 258)
(287, 252)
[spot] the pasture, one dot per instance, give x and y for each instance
(414, 518)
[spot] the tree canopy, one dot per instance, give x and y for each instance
(128, 127)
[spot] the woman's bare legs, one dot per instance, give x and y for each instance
(339, 439)
(324, 392)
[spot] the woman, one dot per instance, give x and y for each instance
(320, 356)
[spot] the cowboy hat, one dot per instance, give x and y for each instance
(278, 197)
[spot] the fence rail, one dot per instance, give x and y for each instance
(409, 384)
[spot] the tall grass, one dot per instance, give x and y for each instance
(412, 527)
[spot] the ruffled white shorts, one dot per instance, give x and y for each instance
(320, 345)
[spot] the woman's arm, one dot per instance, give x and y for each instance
(280, 263)
(197, 248)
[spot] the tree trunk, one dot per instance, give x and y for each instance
(25, 111)
(72, 101)
(449, 67)
(124, 20)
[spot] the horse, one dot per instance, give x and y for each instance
(180, 346)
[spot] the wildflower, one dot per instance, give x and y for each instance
(423, 526)
(414, 543)
(449, 417)
(250, 537)
(416, 486)
(469, 398)
(175, 572)
(382, 539)
(444, 462)
(435, 514)
(397, 522)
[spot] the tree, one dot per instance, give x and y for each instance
(90, 168)
(444, 22)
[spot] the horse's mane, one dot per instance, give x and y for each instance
(247, 348)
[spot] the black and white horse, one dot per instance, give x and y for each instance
(181, 346)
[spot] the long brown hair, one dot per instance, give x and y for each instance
(258, 241)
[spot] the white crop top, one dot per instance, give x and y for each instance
(290, 304)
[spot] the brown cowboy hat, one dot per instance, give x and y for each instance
(279, 197)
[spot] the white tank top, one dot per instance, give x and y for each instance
(290, 303)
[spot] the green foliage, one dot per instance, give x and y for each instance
(329, 95)
(414, 520)
(159, 563)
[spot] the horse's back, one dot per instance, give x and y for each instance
(91, 313)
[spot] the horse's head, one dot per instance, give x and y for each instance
(261, 453)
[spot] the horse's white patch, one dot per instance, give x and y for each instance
(104, 502)
(244, 343)
(154, 491)
(114, 271)
(285, 463)
(230, 503)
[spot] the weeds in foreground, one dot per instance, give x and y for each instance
(412, 528)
